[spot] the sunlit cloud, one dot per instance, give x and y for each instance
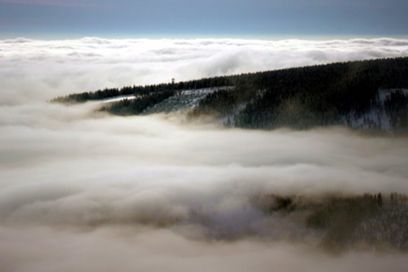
(85, 191)
(91, 63)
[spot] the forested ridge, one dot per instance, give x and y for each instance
(374, 221)
(352, 93)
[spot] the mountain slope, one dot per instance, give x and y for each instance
(362, 94)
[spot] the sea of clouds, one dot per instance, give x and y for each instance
(83, 191)
(39, 70)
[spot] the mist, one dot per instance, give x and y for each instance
(86, 191)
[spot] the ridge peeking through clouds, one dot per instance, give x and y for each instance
(87, 191)
(371, 94)
(93, 63)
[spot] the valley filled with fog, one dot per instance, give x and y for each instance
(86, 191)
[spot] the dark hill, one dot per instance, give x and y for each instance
(361, 94)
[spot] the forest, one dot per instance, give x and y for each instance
(375, 221)
(349, 93)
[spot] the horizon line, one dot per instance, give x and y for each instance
(204, 36)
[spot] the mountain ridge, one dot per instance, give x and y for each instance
(346, 93)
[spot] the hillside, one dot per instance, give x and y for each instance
(363, 94)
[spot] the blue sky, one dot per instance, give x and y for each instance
(203, 18)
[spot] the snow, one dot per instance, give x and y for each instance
(384, 94)
(229, 120)
(377, 117)
(119, 98)
(184, 99)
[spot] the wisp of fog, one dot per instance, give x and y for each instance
(86, 191)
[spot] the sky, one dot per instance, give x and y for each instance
(186, 18)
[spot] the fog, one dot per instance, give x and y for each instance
(85, 191)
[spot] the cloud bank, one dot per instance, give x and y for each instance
(81, 191)
(92, 63)
(87, 193)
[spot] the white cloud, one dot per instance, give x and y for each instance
(77, 188)
(36, 69)
(44, 250)
(62, 166)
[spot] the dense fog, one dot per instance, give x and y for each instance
(85, 191)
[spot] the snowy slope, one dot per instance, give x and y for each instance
(377, 117)
(185, 99)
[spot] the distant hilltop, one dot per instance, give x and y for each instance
(369, 94)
